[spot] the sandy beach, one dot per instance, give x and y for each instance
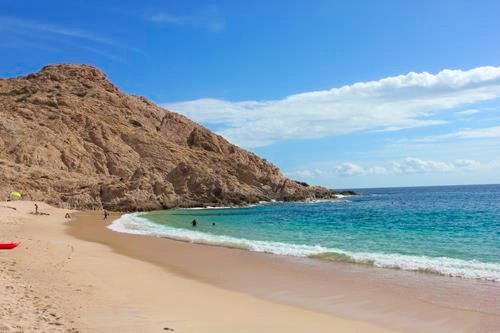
(396, 299)
(54, 282)
(249, 167)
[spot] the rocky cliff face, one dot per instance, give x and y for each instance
(70, 137)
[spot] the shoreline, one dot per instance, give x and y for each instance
(59, 283)
(337, 196)
(135, 223)
(402, 300)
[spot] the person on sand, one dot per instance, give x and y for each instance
(36, 209)
(106, 214)
(194, 223)
(67, 216)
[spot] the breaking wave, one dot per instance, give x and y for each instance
(135, 224)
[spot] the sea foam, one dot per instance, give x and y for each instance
(135, 224)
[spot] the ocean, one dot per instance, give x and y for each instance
(447, 230)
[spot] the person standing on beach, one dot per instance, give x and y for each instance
(36, 209)
(106, 214)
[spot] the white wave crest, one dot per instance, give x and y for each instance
(226, 207)
(135, 224)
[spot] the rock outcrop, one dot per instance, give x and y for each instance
(70, 137)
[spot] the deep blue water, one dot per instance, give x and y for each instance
(451, 230)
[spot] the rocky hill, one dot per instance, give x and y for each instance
(70, 137)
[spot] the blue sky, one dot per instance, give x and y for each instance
(338, 93)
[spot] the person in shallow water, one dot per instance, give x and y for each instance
(194, 223)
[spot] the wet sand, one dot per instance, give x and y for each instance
(55, 282)
(400, 300)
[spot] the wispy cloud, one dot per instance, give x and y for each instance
(16, 24)
(409, 165)
(208, 18)
(480, 133)
(464, 134)
(15, 42)
(168, 18)
(468, 112)
(28, 29)
(393, 103)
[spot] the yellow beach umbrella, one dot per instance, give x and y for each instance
(14, 195)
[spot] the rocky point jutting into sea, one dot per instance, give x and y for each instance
(70, 137)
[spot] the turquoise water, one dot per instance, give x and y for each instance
(452, 230)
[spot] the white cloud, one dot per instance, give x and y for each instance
(468, 112)
(349, 169)
(467, 134)
(480, 133)
(303, 173)
(409, 165)
(468, 164)
(415, 165)
(167, 18)
(377, 170)
(494, 164)
(392, 103)
(208, 18)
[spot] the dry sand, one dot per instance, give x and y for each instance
(54, 282)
